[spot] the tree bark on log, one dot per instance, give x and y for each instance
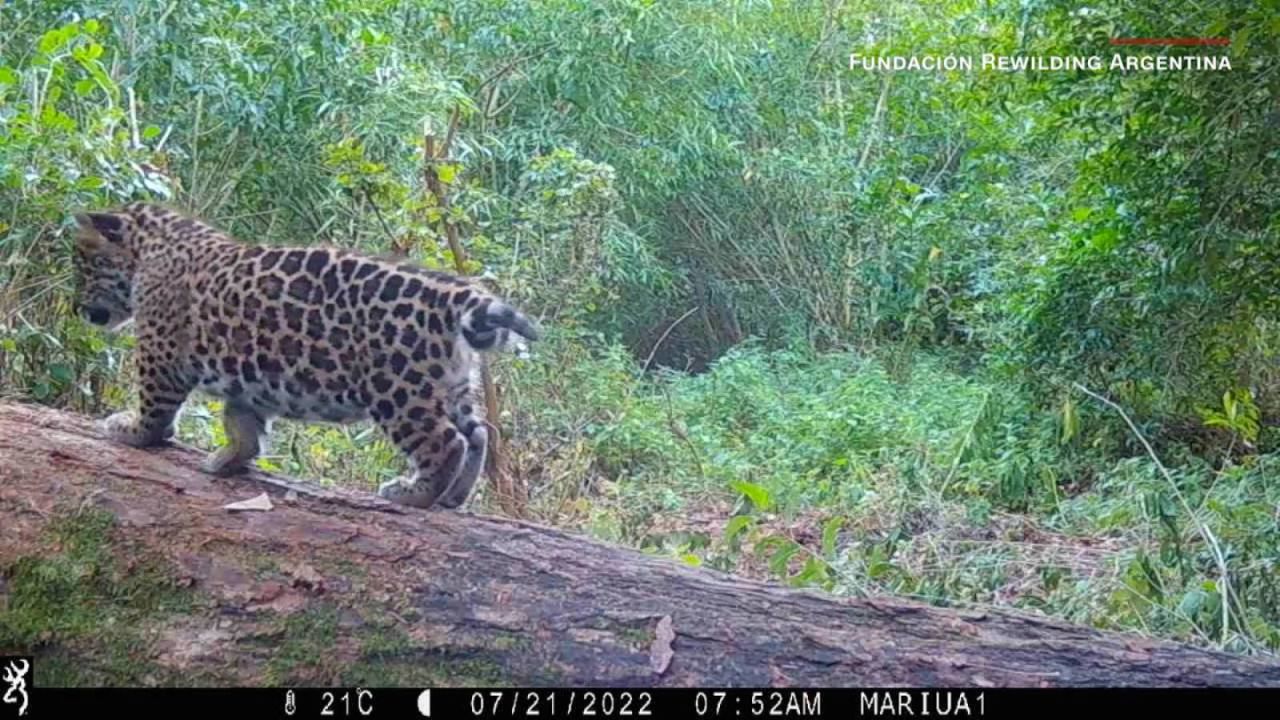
(338, 587)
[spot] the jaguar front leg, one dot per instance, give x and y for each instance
(159, 401)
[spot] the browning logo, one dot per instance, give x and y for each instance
(16, 674)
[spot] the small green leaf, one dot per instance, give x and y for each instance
(830, 532)
(447, 173)
(62, 373)
(1105, 239)
(91, 26)
(778, 563)
(691, 559)
(85, 86)
(758, 495)
(1070, 421)
(8, 76)
(50, 42)
(734, 528)
(1191, 603)
(1240, 43)
(814, 571)
(150, 132)
(878, 569)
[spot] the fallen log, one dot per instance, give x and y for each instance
(124, 567)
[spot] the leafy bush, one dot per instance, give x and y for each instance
(839, 327)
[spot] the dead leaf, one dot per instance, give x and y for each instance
(660, 652)
(305, 575)
(262, 502)
(283, 604)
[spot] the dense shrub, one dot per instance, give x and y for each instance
(824, 324)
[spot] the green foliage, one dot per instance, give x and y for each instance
(804, 321)
(65, 143)
(1239, 415)
(1159, 259)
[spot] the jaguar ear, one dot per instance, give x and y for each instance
(107, 225)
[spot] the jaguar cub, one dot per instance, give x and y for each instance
(312, 334)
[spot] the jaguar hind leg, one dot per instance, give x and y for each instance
(477, 449)
(467, 415)
(246, 432)
(437, 453)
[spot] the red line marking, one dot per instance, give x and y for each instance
(1171, 41)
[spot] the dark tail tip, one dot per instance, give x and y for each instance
(489, 320)
(508, 317)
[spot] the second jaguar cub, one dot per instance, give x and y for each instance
(298, 333)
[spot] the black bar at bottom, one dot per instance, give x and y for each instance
(342, 703)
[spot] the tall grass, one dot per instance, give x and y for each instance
(802, 324)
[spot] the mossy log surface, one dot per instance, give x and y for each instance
(123, 567)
